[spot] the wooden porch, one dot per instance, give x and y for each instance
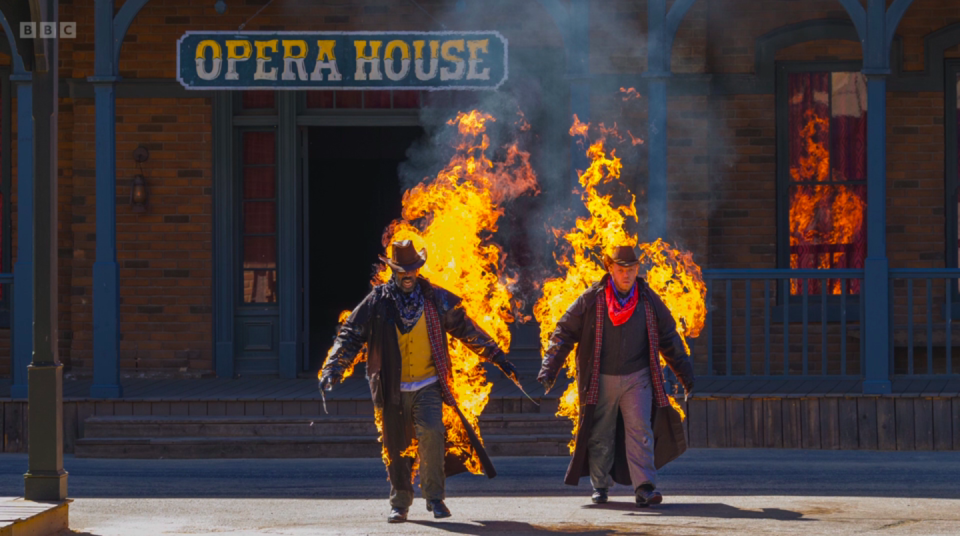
(268, 417)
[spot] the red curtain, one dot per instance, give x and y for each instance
(843, 135)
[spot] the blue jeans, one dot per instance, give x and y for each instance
(423, 419)
(632, 396)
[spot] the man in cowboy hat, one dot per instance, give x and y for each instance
(404, 324)
(619, 326)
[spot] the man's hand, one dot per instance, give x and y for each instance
(686, 382)
(505, 366)
(328, 380)
(546, 381)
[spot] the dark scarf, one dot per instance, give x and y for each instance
(409, 306)
(620, 308)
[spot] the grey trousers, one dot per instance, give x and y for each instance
(423, 416)
(632, 395)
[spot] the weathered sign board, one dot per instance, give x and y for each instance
(342, 60)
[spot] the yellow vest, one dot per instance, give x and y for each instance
(416, 358)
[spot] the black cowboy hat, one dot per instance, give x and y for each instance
(622, 255)
(404, 257)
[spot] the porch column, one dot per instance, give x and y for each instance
(106, 272)
(23, 268)
(574, 25)
(876, 25)
(661, 30)
(289, 233)
(45, 479)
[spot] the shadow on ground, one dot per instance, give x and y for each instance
(713, 510)
(519, 527)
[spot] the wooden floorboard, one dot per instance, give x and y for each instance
(134, 386)
(77, 389)
(164, 388)
(951, 389)
(236, 388)
(935, 387)
(216, 389)
(196, 390)
(293, 389)
(916, 387)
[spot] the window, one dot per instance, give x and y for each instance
(822, 136)
(258, 216)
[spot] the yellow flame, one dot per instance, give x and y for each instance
(451, 215)
(672, 273)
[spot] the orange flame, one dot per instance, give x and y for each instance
(821, 215)
(629, 94)
(451, 215)
(672, 274)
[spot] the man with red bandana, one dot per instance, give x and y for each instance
(620, 327)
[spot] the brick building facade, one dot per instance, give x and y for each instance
(722, 146)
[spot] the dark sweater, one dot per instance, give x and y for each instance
(626, 348)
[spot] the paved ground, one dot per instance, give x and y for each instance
(729, 491)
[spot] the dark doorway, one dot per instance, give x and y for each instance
(354, 193)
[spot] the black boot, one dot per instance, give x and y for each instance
(647, 495)
(397, 515)
(599, 495)
(439, 509)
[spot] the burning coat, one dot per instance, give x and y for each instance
(578, 326)
(373, 323)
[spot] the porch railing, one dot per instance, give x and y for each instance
(799, 324)
(923, 306)
(782, 324)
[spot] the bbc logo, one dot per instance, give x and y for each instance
(47, 30)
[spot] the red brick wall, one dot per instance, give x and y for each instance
(165, 253)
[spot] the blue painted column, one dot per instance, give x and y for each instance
(658, 70)
(23, 269)
(106, 272)
(876, 25)
(657, 155)
(876, 286)
(289, 233)
(661, 29)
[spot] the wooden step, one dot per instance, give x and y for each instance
(294, 447)
(105, 427)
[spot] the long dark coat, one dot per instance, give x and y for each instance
(373, 323)
(578, 327)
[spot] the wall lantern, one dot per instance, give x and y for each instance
(138, 188)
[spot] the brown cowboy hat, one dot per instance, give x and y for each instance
(404, 257)
(622, 255)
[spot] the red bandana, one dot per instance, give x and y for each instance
(620, 313)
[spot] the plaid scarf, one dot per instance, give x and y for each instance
(409, 306)
(620, 310)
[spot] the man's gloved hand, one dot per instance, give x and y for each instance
(510, 371)
(546, 381)
(686, 382)
(327, 380)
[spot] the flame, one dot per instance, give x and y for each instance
(629, 94)
(451, 215)
(821, 215)
(672, 273)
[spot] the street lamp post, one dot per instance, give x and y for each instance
(45, 479)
